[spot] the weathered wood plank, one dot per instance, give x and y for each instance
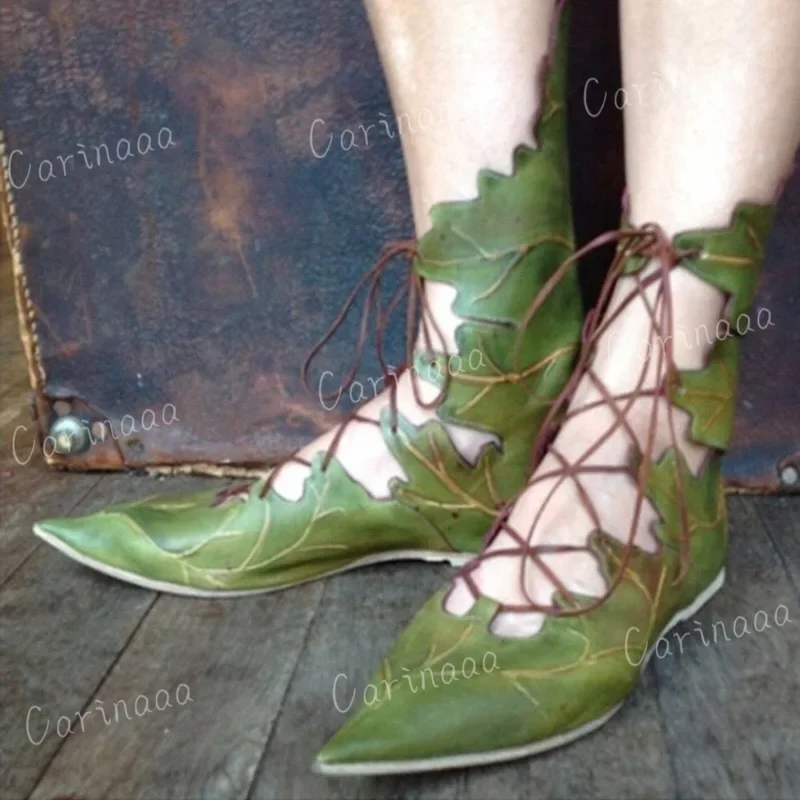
(14, 381)
(10, 340)
(61, 628)
(28, 489)
(237, 658)
(781, 519)
(730, 700)
(34, 496)
(16, 451)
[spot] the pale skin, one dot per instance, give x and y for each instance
(692, 154)
(725, 130)
(481, 77)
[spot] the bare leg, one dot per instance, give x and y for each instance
(726, 127)
(471, 67)
(474, 62)
(724, 130)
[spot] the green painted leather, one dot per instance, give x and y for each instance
(497, 251)
(451, 688)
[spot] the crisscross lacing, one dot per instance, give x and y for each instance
(418, 315)
(648, 242)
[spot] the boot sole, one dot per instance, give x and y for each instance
(512, 753)
(454, 559)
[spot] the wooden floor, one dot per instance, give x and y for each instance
(719, 720)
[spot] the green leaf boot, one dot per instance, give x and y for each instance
(499, 252)
(453, 693)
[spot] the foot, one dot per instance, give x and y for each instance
(606, 426)
(529, 652)
(406, 482)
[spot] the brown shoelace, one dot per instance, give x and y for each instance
(417, 314)
(648, 242)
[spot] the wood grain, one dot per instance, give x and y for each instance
(730, 701)
(62, 627)
(235, 656)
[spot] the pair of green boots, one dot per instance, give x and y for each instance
(506, 254)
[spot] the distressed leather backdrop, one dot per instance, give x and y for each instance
(179, 245)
